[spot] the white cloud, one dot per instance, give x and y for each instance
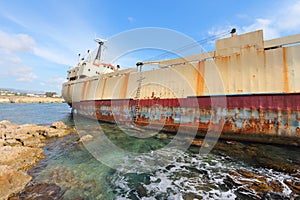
(56, 57)
(57, 80)
(16, 42)
(216, 31)
(14, 19)
(13, 67)
(28, 77)
(289, 18)
(266, 25)
(11, 44)
(13, 59)
(285, 21)
(20, 72)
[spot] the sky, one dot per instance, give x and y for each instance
(40, 40)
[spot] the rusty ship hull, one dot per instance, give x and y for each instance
(256, 97)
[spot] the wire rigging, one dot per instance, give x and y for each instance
(193, 44)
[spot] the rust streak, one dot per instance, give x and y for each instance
(103, 89)
(124, 86)
(69, 91)
(88, 90)
(83, 90)
(200, 79)
(285, 72)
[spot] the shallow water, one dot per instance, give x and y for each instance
(149, 170)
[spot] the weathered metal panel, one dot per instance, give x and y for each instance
(187, 59)
(282, 41)
(232, 45)
(99, 88)
(293, 63)
(123, 89)
(90, 88)
(274, 70)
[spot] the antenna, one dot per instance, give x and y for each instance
(100, 42)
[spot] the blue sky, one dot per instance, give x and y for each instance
(39, 40)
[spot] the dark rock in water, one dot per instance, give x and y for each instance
(267, 156)
(273, 196)
(191, 196)
(170, 166)
(78, 198)
(40, 191)
(246, 194)
(141, 190)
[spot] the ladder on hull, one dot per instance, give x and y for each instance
(138, 93)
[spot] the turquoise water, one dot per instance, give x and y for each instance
(147, 169)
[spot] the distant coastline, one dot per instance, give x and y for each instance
(27, 99)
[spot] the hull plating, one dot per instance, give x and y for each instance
(260, 118)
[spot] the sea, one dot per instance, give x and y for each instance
(126, 162)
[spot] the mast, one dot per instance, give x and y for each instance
(101, 43)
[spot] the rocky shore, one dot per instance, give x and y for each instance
(20, 149)
(27, 99)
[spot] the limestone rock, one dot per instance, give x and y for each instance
(12, 142)
(86, 138)
(20, 149)
(4, 100)
(20, 158)
(27, 99)
(11, 181)
(59, 125)
(197, 142)
(162, 136)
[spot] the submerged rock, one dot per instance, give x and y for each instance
(86, 138)
(272, 195)
(197, 142)
(40, 191)
(162, 136)
(141, 190)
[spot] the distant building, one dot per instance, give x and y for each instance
(32, 95)
(56, 96)
(6, 93)
(51, 94)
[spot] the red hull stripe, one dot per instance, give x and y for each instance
(266, 101)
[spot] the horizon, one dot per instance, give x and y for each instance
(39, 41)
